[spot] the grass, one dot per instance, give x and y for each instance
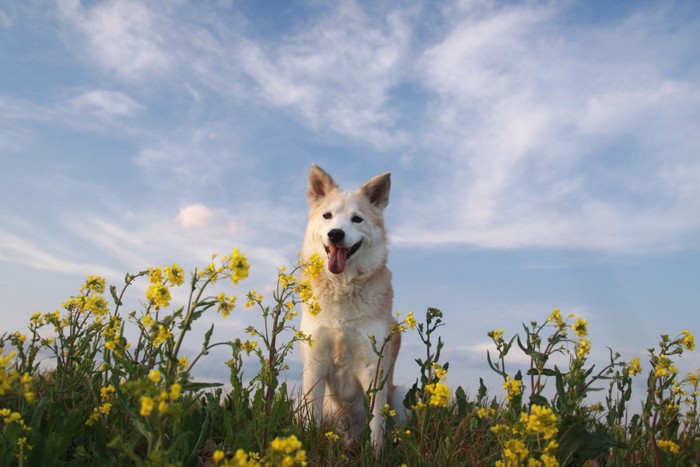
(104, 399)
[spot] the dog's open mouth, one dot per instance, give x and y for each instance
(337, 257)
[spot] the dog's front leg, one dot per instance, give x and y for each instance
(378, 399)
(314, 382)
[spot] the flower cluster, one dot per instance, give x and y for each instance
(521, 442)
(281, 452)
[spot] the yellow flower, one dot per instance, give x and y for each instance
(218, 456)
(163, 335)
(106, 408)
(332, 436)
(159, 295)
(583, 348)
(556, 318)
(225, 304)
(156, 275)
(580, 327)
(410, 320)
(162, 406)
(439, 394)
(285, 445)
(175, 274)
(155, 376)
(146, 406)
(513, 387)
(107, 392)
(249, 346)
(238, 264)
(635, 367)
(175, 392)
(485, 412)
(440, 372)
(314, 266)
(243, 459)
(147, 321)
(688, 340)
(669, 446)
(304, 291)
(542, 420)
(664, 367)
(548, 460)
(514, 452)
(94, 284)
(182, 362)
(387, 411)
(314, 308)
(496, 335)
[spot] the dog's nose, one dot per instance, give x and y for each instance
(336, 236)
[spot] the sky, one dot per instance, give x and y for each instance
(543, 154)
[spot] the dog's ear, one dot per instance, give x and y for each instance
(320, 184)
(377, 190)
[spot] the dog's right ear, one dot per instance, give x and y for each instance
(320, 184)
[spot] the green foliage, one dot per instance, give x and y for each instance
(91, 385)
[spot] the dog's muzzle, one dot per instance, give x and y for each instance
(337, 255)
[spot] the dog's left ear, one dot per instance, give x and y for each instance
(377, 190)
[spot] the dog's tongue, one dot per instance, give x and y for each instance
(337, 259)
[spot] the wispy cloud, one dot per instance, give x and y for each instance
(105, 103)
(123, 36)
(338, 72)
(559, 137)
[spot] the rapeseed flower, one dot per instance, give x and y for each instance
(163, 335)
(688, 340)
(542, 420)
(218, 456)
(155, 376)
(513, 387)
(440, 372)
(580, 327)
(159, 295)
(387, 411)
(669, 446)
(175, 390)
(239, 266)
(147, 405)
(664, 367)
(513, 454)
(313, 267)
(496, 335)
(583, 348)
(634, 367)
(439, 394)
(410, 320)
(225, 304)
(175, 274)
(95, 284)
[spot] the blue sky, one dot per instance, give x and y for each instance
(543, 154)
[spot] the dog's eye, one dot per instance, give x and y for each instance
(356, 219)
(327, 215)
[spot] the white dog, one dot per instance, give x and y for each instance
(355, 296)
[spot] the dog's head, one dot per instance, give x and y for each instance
(347, 227)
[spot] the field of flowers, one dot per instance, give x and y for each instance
(104, 397)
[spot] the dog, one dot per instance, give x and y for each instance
(355, 296)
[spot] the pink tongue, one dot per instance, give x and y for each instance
(337, 259)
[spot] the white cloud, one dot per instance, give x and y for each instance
(338, 72)
(557, 137)
(123, 36)
(106, 103)
(21, 250)
(195, 216)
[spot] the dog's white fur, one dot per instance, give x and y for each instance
(356, 303)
